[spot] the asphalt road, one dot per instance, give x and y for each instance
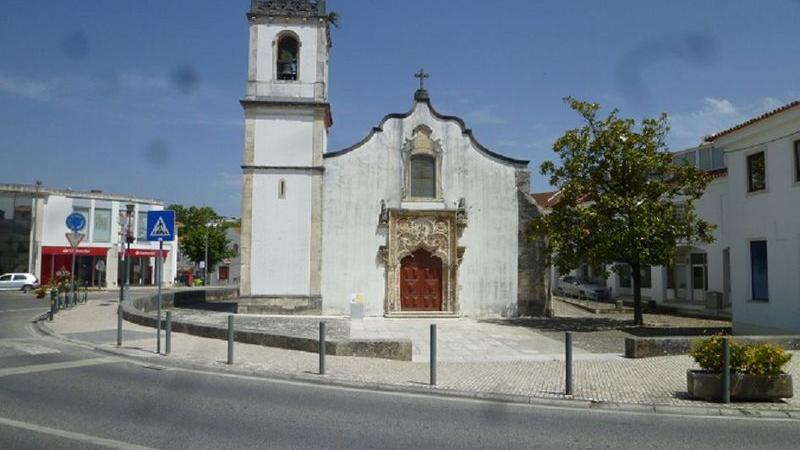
(55, 395)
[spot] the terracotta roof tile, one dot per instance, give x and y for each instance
(546, 199)
(714, 136)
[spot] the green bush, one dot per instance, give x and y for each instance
(755, 359)
(766, 359)
(708, 354)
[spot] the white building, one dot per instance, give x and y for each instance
(98, 255)
(418, 217)
(753, 267)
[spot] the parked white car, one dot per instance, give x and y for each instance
(18, 281)
(576, 287)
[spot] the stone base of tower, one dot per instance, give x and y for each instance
(287, 304)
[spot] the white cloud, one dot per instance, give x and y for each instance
(687, 129)
(37, 90)
(484, 116)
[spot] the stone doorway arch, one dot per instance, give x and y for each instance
(434, 232)
(421, 283)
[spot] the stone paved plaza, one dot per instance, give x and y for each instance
(598, 377)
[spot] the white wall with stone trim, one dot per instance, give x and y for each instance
(281, 237)
(356, 181)
(282, 138)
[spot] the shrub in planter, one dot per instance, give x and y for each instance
(765, 359)
(756, 371)
(708, 354)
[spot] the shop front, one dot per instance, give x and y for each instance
(90, 264)
(141, 267)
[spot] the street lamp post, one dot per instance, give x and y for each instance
(126, 238)
(213, 223)
(34, 252)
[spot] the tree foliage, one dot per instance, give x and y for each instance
(619, 190)
(196, 224)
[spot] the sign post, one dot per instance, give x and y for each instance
(160, 227)
(75, 222)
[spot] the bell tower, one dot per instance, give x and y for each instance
(287, 117)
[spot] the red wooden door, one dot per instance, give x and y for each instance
(421, 282)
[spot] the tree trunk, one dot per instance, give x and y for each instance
(636, 272)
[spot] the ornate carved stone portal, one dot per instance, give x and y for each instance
(434, 231)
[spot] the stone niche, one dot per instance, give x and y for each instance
(434, 231)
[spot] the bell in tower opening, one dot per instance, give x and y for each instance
(287, 58)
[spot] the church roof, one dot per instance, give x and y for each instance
(422, 96)
(288, 8)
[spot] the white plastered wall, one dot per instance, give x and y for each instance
(281, 234)
(354, 185)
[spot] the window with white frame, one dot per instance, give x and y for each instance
(141, 226)
(759, 271)
(756, 172)
(685, 158)
(423, 176)
(102, 225)
(711, 159)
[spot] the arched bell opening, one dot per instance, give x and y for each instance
(287, 57)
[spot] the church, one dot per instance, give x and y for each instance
(418, 219)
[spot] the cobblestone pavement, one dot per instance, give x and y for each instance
(659, 381)
(465, 340)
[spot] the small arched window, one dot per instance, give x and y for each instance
(287, 62)
(281, 188)
(423, 176)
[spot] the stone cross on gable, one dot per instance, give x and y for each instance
(422, 75)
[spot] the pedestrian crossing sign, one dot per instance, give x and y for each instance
(161, 225)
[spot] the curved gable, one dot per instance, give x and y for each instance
(460, 122)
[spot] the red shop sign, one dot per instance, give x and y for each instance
(80, 251)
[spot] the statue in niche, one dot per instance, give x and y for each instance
(383, 217)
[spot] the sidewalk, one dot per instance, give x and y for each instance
(606, 379)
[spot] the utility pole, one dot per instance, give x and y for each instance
(205, 262)
(34, 249)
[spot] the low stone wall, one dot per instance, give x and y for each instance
(142, 311)
(664, 346)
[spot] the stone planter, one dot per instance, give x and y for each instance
(703, 385)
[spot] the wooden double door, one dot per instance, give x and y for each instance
(421, 282)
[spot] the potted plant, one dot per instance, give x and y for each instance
(756, 371)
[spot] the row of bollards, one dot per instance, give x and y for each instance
(568, 382)
(61, 300)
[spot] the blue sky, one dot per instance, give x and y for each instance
(141, 97)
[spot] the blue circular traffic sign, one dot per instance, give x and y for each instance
(76, 222)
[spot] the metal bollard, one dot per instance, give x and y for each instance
(168, 334)
(53, 305)
(230, 338)
(568, 349)
(726, 370)
(119, 325)
(322, 348)
(85, 294)
(433, 354)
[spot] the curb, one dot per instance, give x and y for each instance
(156, 361)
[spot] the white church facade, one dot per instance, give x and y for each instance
(417, 219)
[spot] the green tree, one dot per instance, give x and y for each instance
(619, 191)
(198, 225)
